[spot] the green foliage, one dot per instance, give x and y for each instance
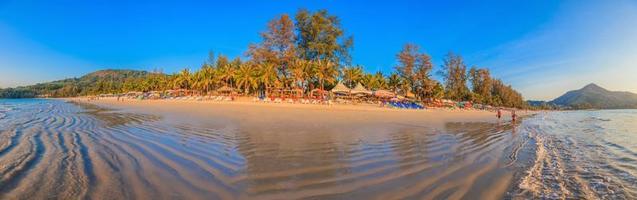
(352, 76)
(454, 72)
(99, 82)
(321, 37)
(595, 97)
(306, 52)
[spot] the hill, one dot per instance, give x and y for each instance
(98, 80)
(596, 97)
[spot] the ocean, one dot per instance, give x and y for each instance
(51, 149)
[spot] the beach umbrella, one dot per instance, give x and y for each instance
(340, 89)
(359, 89)
(225, 89)
(384, 94)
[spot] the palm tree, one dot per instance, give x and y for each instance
(379, 78)
(227, 73)
(246, 77)
(352, 75)
(325, 72)
(393, 82)
(183, 80)
(375, 81)
(205, 78)
(299, 70)
(268, 76)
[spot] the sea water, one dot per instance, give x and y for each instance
(60, 150)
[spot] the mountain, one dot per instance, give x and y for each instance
(109, 78)
(594, 96)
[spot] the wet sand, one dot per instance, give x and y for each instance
(210, 150)
(290, 116)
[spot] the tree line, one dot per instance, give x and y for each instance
(308, 51)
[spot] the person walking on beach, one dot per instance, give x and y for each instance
(513, 115)
(499, 115)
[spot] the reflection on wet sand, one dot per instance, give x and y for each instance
(52, 149)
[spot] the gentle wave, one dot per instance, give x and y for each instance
(53, 149)
(582, 155)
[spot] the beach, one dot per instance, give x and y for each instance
(175, 149)
(302, 115)
(109, 149)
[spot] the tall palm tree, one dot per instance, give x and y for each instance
(299, 69)
(367, 80)
(352, 75)
(379, 78)
(227, 73)
(325, 72)
(268, 76)
(393, 82)
(246, 77)
(302, 72)
(375, 81)
(183, 80)
(205, 78)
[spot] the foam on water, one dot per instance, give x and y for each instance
(582, 155)
(53, 149)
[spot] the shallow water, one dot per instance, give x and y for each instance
(582, 155)
(53, 149)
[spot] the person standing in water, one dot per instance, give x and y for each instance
(513, 115)
(499, 115)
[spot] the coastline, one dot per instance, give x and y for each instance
(245, 150)
(294, 128)
(283, 115)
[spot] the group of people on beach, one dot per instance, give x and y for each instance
(513, 115)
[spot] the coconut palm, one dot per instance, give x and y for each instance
(301, 71)
(375, 81)
(326, 72)
(393, 82)
(352, 75)
(205, 78)
(268, 76)
(246, 77)
(380, 80)
(183, 80)
(227, 73)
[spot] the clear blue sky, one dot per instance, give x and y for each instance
(542, 48)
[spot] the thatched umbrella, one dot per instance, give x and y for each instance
(359, 89)
(225, 89)
(340, 89)
(384, 94)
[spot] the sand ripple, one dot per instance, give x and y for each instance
(57, 150)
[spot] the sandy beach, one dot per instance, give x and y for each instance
(301, 116)
(105, 149)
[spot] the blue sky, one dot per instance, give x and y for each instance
(542, 48)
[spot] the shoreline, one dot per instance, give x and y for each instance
(285, 115)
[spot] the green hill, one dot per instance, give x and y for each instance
(596, 97)
(95, 81)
